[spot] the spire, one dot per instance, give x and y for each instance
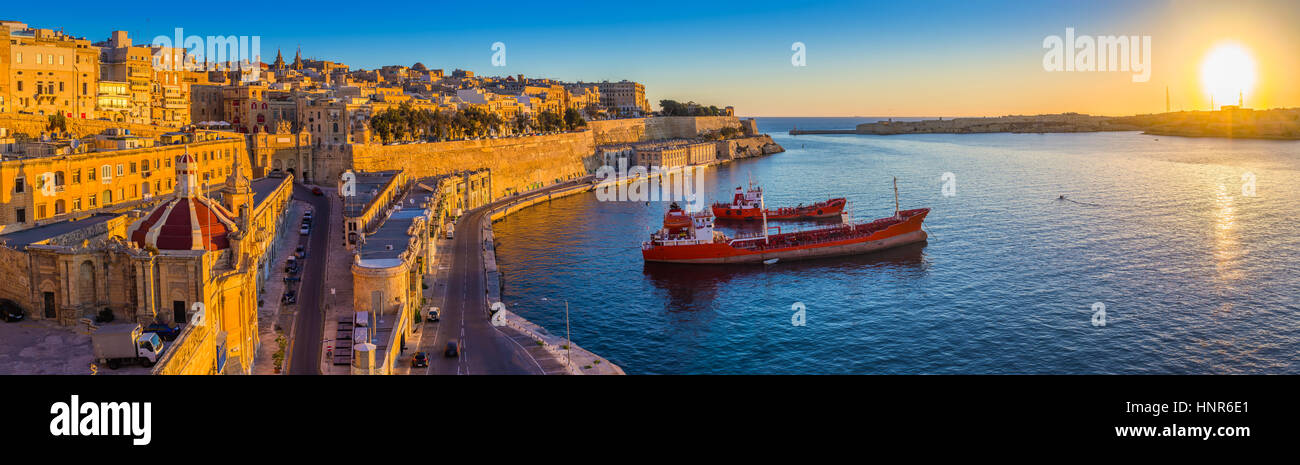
(238, 189)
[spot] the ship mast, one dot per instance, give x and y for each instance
(895, 196)
(762, 206)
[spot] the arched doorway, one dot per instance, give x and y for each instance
(87, 292)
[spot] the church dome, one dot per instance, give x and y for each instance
(188, 221)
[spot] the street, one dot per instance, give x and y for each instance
(304, 358)
(484, 349)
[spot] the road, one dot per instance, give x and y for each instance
(304, 358)
(484, 349)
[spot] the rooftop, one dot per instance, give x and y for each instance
(26, 237)
(263, 187)
(385, 247)
(368, 185)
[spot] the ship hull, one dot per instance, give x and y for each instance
(830, 209)
(903, 233)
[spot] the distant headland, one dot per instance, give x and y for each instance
(1229, 121)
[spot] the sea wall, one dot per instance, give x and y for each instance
(628, 130)
(517, 163)
(584, 361)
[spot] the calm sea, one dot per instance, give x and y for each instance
(1193, 275)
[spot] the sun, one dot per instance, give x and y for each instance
(1227, 72)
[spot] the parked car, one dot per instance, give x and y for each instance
(167, 333)
(316, 191)
(289, 297)
(306, 215)
(10, 311)
(434, 313)
(292, 279)
(420, 359)
(300, 252)
(304, 230)
(451, 350)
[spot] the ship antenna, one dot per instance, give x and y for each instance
(895, 196)
(762, 207)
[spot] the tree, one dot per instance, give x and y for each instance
(59, 122)
(573, 119)
(550, 121)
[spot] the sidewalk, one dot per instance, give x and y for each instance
(271, 314)
(337, 299)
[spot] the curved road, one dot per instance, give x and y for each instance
(484, 349)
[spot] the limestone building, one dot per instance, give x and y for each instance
(189, 260)
(47, 72)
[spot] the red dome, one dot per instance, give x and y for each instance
(184, 223)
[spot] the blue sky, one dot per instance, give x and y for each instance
(861, 55)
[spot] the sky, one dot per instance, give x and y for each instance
(906, 59)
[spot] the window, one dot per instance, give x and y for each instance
(90, 174)
(108, 197)
(20, 84)
(76, 204)
(18, 58)
(19, 185)
(91, 201)
(60, 86)
(107, 174)
(120, 197)
(132, 167)
(119, 169)
(40, 211)
(76, 176)
(21, 213)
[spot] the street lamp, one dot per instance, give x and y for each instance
(568, 343)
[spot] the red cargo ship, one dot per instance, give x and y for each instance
(690, 238)
(747, 205)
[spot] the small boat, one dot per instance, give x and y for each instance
(747, 205)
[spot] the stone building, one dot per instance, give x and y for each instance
(123, 62)
(624, 97)
(41, 188)
(47, 72)
(190, 260)
(674, 153)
